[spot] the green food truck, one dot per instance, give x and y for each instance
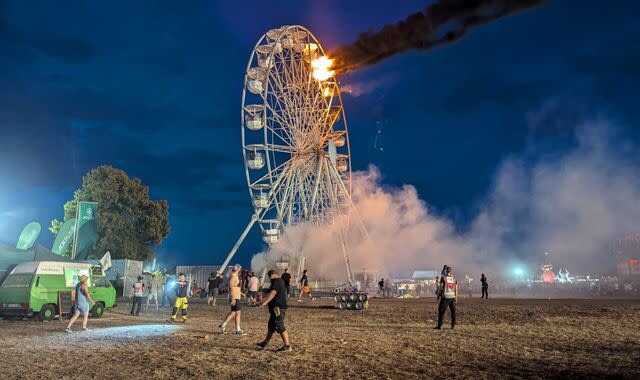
(43, 289)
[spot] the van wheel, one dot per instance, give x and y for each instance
(98, 310)
(48, 312)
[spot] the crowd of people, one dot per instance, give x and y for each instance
(242, 283)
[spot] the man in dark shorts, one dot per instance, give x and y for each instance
(276, 300)
(234, 301)
(286, 277)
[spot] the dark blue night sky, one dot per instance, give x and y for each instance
(155, 90)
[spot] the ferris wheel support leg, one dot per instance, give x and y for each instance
(254, 219)
(347, 260)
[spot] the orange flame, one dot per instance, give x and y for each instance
(321, 68)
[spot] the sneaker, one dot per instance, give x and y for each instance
(221, 327)
(284, 349)
(68, 330)
(437, 328)
(261, 345)
(85, 329)
(240, 333)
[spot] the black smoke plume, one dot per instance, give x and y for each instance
(441, 23)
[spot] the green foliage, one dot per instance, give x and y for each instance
(129, 223)
(55, 226)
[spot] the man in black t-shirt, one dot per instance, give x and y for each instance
(276, 300)
(485, 286)
(286, 277)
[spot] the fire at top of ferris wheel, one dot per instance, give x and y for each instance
(295, 140)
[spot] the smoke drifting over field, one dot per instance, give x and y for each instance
(441, 23)
(571, 205)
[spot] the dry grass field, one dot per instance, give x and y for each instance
(393, 339)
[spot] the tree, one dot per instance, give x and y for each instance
(55, 226)
(129, 223)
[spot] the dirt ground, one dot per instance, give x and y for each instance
(394, 339)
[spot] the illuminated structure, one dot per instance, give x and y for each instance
(548, 276)
(295, 142)
(627, 254)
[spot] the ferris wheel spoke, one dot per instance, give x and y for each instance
(284, 138)
(275, 115)
(276, 84)
(316, 185)
(268, 177)
(302, 189)
(281, 148)
(277, 107)
(283, 202)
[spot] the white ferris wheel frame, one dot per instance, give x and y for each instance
(304, 151)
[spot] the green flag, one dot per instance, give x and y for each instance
(64, 238)
(86, 212)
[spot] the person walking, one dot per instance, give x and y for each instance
(182, 298)
(82, 302)
(215, 279)
(138, 296)
(253, 288)
(485, 286)
(276, 300)
(286, 277)
(381, 287)
(234, 301)
(448, 297)
(305, 290)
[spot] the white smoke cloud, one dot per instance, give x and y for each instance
(571, 205)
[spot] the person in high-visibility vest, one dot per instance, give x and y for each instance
(182, 298)
(448, 296)
(138, 296)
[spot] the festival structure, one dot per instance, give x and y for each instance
(295, 140)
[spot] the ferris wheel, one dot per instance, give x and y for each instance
(295, 141)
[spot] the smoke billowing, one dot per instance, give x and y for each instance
(571, 205)
(440, 23)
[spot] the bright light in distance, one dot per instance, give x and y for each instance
(518, 271)
(321, 68)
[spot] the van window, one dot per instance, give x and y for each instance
(101, 281)
(18, 280)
